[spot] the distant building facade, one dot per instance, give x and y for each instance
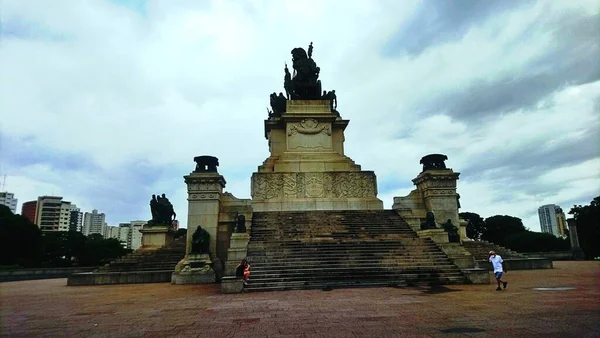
(94, 223)
(75, 219)
(552, 220)
(8, 199)
(52, 213)
(28, 210)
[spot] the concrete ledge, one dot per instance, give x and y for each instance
(191, 277)
(477, 276)
(232, 285)
(132, 277)
(40, 273)
(520, 264)
(553, 255)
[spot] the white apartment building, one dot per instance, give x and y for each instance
(552, 220)
(8, 199)
(94, 223)
(52, 213)
(135, 241)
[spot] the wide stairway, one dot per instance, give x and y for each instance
(480, 250)
(164, 258)
(328, 249)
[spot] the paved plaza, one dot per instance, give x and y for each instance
(534, 305)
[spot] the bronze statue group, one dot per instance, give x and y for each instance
(162, 211)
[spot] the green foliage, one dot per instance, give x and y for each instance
(587, 219)
(476, 226)
(20, 240)
(23, 244)
(529, 241)
(497, 228)
(99, 251)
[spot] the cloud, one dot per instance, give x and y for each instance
(107, 102)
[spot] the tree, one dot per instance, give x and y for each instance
(529, 241)
(99, 250)
(20, 240)
(476, 226)
(497, 228)
(587, 219)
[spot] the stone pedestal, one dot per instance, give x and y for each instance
(437, 235)
(232, 285)
(574, 237)
(462, 230)
(438, 188)
(194, 269)
(307, 169)
(238, 248)
(156, 236)
(204, 193)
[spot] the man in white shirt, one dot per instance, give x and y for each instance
(498, 265)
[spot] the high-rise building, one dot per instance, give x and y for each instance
(135, 237)
(28, 210)
(52, 213)
(75, 219)
(552, 220)
(93, 223)
(8, 199)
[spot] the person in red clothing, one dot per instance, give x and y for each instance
(243, 271)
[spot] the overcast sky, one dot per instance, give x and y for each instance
(107, 102)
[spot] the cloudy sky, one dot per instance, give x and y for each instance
(107, 102)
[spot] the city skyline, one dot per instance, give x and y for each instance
(498, 88)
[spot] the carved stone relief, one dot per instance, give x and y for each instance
(314, 185)
(309, 134)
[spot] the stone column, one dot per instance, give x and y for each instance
(438, 188)
(575, 248)
(204, 193)
(205, 187)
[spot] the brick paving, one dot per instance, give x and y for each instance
(48, 308)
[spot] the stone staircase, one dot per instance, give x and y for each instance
(164, 258)
(480, 250)
(327, 249)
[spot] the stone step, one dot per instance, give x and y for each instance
(394, 281)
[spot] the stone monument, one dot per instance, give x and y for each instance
(159, 230)
(574, 238)
(435, 192)
(205, 189)
(307, 168)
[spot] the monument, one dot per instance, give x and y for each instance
(159, 231)
(307, 168)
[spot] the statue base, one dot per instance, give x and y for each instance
(194, 269)
(238, 248)
(436, 235)
(156, 236)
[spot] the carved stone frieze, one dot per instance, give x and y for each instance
(314, 185)
(309, 127)
(439, 192)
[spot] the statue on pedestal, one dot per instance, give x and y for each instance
(200, 241)
(240, 224)
(162, 211)
(453, 236)
(429, 222)
(206, 164)
(434, 162)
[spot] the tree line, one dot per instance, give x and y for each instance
(509, 231)
(22, 244)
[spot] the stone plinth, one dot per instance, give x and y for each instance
(204, 194)
(238, 248)
(156, 236)
(194, 269)
(232, 285)
(436, 235)
(307, 169)
(436, 192)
